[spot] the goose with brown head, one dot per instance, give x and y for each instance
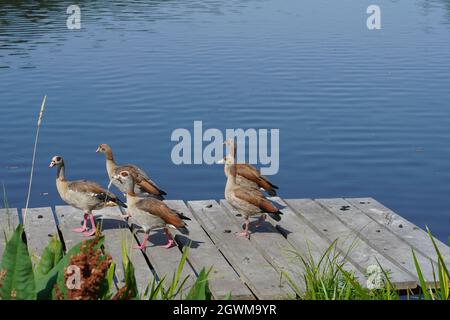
(248, 175)
(82, 194)
(143, 184)
(150, 213)
(247, 200)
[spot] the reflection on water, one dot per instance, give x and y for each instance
(360, 113)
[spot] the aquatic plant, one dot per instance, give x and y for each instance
(49, 280)
(327, 279)
(440, 289)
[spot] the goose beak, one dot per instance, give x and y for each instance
(221, 161)
(117, 178)
(98, 150)
(51, 165)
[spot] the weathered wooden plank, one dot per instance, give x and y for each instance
(204, 254)
(9, 219)
(69, 218)
(408, 231)
(118, 234)
(260, 276)
(357, 249)
(165, 261)
(40, 226)
(273, 246)
(379, 237)
(308, 240)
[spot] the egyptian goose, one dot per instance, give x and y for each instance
(248, 201)
(144, 185)
(83, 195)
(150, 213)
(248, 175)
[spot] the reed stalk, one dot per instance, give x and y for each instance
(41, 114)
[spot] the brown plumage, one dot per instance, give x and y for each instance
(248, 175)
(82, 194)
(150, 213)
(142, 181)
(161, 210)
(258, 200)
(246, 200)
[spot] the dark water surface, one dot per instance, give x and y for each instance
(360, 113)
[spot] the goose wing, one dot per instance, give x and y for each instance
(251, 173)
(94, 190)
(160, 209)
(142, 179)
(256, 198)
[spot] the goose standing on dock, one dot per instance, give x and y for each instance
(150, 213)
(248, 201)
(83, 195)
(248, 175)
(144, 185)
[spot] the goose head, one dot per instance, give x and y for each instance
(125, 178)
(227, 161)
(229, 143)
(231, 146)
(103, 148)
(56, 161)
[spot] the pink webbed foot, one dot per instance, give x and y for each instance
(243, 234)
(143, 244)
(94, 228)
(84, 227)
(169, 244)
(141, 247)
(89, 233)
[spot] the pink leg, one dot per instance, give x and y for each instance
(144, 242)
(170, 242)
(84, 227)
(93, 227)
(261, 220)
(244, 233)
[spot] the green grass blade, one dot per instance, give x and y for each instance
(425, 292)
(440, 257)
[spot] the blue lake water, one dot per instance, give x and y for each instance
(361, 112)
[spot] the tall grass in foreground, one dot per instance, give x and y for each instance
(49, 279)
(41, 114)
(440, 289)
(326, 279)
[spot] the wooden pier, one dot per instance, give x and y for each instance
(366, 231)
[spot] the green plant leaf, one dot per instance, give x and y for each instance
(426, 294)
(200, 289)
(130, 281)
(175, 286)
(156, 289)
(440, 257)
(109, 282)
(18, 282)
(45, 285)
(51, 255)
